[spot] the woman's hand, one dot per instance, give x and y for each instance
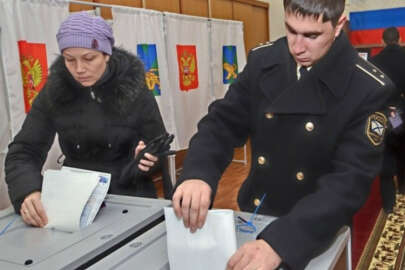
(32, 211)
(147, 161)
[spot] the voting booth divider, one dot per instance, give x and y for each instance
(189, 62)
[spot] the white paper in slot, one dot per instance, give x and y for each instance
(64, 196)
(208, 248)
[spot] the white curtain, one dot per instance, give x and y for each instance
(146, 39)
(4, 137)
(4, 114)
(33, 21)
(190, 104)
(226, 37)
(4, 198)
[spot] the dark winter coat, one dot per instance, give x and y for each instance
(391, 60)
(316, 143)
(98, 127)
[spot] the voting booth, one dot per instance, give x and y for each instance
(149, 250)
(122, 219)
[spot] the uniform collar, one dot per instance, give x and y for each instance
(336, 67)
(332, 73)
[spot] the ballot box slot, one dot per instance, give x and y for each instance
(120, 244)
(139, 246)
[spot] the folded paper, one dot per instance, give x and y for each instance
(208, 248)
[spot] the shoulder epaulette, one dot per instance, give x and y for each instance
(373, 71)
(267, 44)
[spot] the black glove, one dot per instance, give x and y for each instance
(159, 147)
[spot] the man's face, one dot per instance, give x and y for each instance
(309, 39)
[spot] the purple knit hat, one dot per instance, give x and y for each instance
(82, 30)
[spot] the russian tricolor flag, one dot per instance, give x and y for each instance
(367, 26)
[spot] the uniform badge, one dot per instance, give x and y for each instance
(375, 129)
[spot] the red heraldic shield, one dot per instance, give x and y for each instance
(34, 70)
(188, 71)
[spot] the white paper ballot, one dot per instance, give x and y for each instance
(97, 196)
(72, 197)
(64, 196)
(208, 248)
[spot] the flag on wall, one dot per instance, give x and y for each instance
(230, 64)
(188, 68)
(148, 43)
(367, 27)
(147, 53)
(189, 106)
(34, 70)
(227, 43)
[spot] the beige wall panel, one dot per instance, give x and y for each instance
(194, 7)
(79, 7)
(259, 3)
(163, 5)
(243, 12)
(255, 21)
(261, 22)
(106, 12)
(222, 9)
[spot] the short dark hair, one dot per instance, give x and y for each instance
(391, 35)
(330, 10)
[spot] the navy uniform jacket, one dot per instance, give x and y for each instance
(316, 143)
(391, 60)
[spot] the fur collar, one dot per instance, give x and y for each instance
(117, 90)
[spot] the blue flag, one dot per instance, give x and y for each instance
(230, 64)
(147, 53)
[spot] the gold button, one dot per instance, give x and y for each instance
(261, 160)
(309, 126)
(256, 201)
(300, 176)
(374, 70)
(269, 115)
(382, 76)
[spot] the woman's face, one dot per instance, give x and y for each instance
(86, 65)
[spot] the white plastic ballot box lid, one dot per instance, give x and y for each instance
(122, 219)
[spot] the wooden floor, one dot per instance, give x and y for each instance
(229, 184)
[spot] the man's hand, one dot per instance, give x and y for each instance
(191, 202)
(148, 161)
(32, 211)
(255, 255)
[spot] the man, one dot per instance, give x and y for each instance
(391, 60)
(311, 107)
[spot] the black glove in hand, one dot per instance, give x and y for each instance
(159, 147)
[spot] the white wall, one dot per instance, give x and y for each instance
(359, 5)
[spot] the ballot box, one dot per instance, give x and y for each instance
(122, 219)
(149, 251)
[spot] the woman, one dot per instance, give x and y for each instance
(96, 100)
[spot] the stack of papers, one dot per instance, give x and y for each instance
(72, 197)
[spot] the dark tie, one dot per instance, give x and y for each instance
(303, 72)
